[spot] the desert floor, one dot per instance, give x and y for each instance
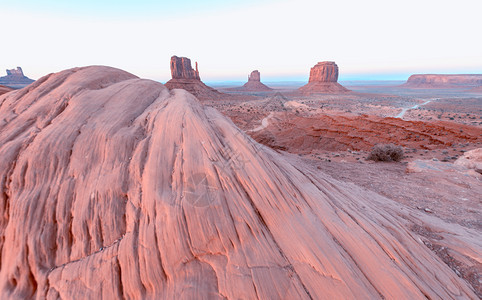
(335, 133)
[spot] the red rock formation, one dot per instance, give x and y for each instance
(326, 71)
(298, 134)
(254, 84)
(323, 79)
(254, 76)
(184, 77)
(113, 187)
(4, 89)
(444, 81)
(181, 68)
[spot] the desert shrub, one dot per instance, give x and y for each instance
(386, 152)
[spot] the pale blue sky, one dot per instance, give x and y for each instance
(229, 39)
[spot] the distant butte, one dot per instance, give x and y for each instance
(186, 78)
(323, 79)
(444, 80)
(15, 79)
(254, 84)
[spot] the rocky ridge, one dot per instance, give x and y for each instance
(444, 80)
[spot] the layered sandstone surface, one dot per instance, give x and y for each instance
(4, 89)
(115, 187)
(324, 79)
(186, 78)
(444, 80)
(300, 134)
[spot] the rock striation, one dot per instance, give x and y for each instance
(15, 79)
(114, 187)
(186, 78)
(326, 71)
(324, 79)
(4, 89)
(444, 80)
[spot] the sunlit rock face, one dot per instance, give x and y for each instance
(323, 79)
(326, 71)
(181, 68)
(186, 78)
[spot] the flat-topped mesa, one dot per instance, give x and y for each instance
(181, 68)
(444, 80)
(254, 76)
(326, 71)
(323, 79)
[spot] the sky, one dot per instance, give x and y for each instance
(369, 39)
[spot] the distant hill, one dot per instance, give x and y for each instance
(15, 79)
(444, 80)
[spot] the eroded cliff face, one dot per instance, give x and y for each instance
(15, 72)
(326, 71)
(254, 76)
(444, 80)
(181, 68)
(323, 79)
(112, 186)
(186, 78)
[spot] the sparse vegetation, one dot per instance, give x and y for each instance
(386, 152)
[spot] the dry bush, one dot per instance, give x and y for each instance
(386, 152)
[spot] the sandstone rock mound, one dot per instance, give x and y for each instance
(186, 78)
(471, 159)
(15, 79)
(114, 187)
(254, 84)
(444, 80)
(323, 79)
